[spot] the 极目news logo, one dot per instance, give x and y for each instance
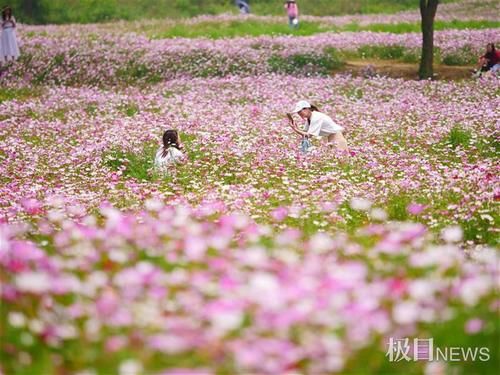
(424, 350)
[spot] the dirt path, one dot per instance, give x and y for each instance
(397, 69)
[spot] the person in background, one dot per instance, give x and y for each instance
(243, 6)
(9, 49)
(169, 154)
(490, 61)
(292, 10)
(317, 124)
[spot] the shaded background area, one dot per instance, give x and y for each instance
(83, 11)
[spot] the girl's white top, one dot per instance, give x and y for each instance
(322, 125)
(8, 40)
(173, 156)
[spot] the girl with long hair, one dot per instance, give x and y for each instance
(490, 60)
(169, 154)
(9, 49)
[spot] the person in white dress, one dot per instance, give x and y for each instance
(9, 49)
(317, 124)
(169, 154)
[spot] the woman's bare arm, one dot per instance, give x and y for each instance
(300, 132)
(294, 126)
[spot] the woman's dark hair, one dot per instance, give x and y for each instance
(4, 13)
(490, 54)
(170, 139)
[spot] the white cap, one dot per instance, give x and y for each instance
(301, 105)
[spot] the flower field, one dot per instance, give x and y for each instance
(252, 258)
(115, 59)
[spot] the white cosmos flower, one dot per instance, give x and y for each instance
(33, 282)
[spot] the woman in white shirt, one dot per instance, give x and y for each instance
(318, 124)
(9, 49)
(170, 153)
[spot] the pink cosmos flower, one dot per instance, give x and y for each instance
(452, 233)
(107, 303)
(195, 248)
(186, 371)
(116, 343)
(415, 208)
(279, 214)
(32, 206)
(474, 325)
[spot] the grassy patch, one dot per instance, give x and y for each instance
(232, 29)
(458, 137)
(32, 114)
(488, 147)
(129, 109)
(397, 205)
(135, 71)
(91, 109)
(58, 114)
(393, 52)
(478, 147)
(460, 57)
(306, 63)
(353, 219)
(480, 228)
(353, 92)
(22, 93)
(135, 165)
(32, 139)
(241, 28)
(403, 28)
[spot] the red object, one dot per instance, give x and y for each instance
(495, 58)
(492, 57)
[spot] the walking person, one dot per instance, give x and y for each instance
(9, 49)
(317, 124)
(292, 10)
(243, 6)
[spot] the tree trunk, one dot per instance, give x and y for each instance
(428, 10)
